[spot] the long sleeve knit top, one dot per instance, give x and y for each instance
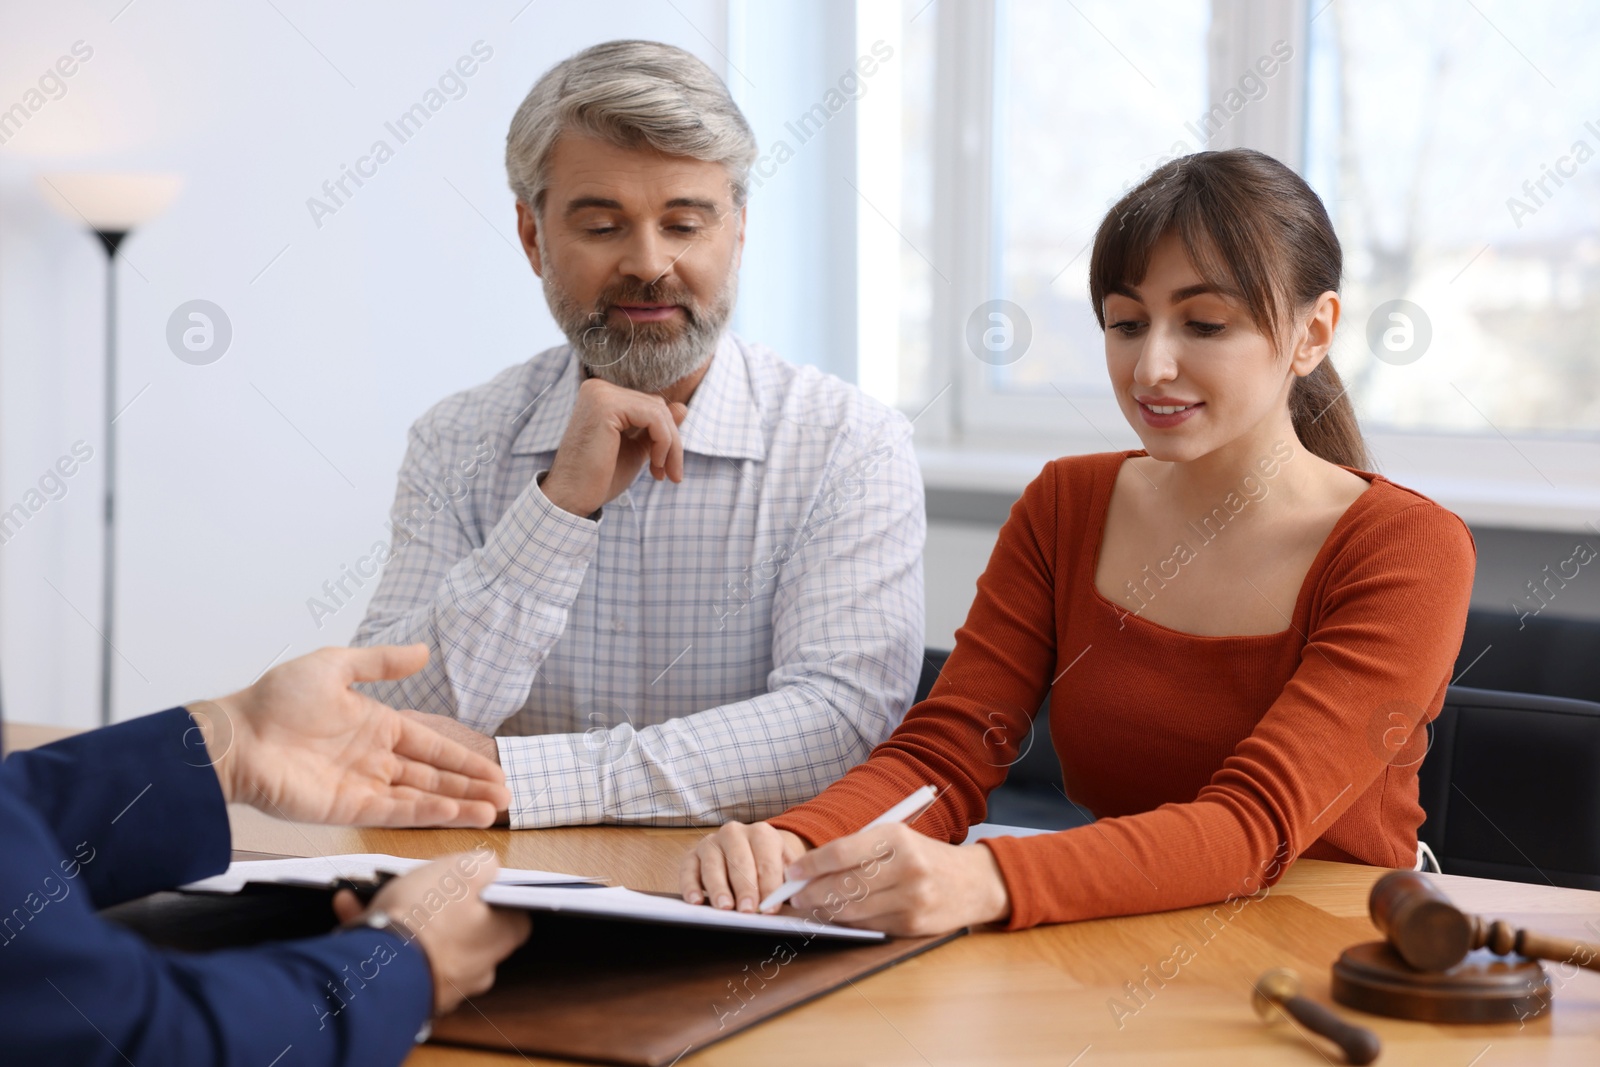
(1210, 763)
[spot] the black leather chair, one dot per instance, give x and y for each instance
(1033, 793)
(1511, 788)
(1543, 654)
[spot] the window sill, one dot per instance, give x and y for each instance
(1524, 484)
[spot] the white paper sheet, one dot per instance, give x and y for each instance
(325, 870)
(530, 890)
(993, 829)
(618, 903)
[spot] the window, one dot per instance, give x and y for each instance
(1456, 145)
(1079, 120)
(894, 177)
(1455, 148)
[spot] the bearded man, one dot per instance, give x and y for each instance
(665, 576)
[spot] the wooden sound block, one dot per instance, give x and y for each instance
(1483, 988)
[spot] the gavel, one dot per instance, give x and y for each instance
(1280, 989)
(1433, 935)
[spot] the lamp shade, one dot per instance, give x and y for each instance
(110, 202)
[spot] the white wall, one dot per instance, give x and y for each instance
(952, 561)
(246, 484)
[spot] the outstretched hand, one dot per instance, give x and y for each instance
(302, 745)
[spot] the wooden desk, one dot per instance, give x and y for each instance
(1043, 997)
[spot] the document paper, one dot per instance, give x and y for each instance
(530, 891)
(618, 903)
(354, 867)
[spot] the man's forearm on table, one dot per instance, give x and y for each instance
(737, 761)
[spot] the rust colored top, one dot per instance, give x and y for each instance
(1210, 763)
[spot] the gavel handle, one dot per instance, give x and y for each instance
(1503, 938)
(1360, 1045)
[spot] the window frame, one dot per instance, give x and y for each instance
(1520, 480)
(963, 176)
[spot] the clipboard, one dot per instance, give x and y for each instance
(603, 991)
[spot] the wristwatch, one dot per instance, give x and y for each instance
(378, 919)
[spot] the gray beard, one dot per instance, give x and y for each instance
(650, 356)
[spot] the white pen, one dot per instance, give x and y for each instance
(907, 809)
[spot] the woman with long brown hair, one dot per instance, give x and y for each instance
(1240, 628)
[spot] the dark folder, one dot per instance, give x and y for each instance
(631, 993)
(582, 988)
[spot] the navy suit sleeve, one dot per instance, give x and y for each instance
(137, 805)
(121, 812)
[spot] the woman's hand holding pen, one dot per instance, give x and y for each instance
(887, 877)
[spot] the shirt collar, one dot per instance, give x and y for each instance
(725, 416)
(552, 407)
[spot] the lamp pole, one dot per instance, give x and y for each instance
(109, 239)
(112, 204)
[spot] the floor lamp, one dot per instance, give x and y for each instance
(111, 206)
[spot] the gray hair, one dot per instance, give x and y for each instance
(631, 94)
